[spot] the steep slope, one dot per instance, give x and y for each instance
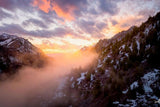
(127, 72)
(16, 52)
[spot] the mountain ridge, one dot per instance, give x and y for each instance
(126, 73)
(16, 52)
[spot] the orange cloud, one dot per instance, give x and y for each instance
(47, 5)
(61, 13)
(124, 23)
(44, 5)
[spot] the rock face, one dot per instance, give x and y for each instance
(16, 52)
(127, 72)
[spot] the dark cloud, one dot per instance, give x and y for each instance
(101, 25)
(7, 4)
(114, 22)
(17, 29)
(27, 6)
(48, 17)
(35, 22)
(93, 11)
(108, 6)
(85, 14)
(92, 28)
(72, 7)
(66, 4)
(87, 26)
(14, 4)
(101, 7)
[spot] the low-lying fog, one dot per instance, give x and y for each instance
(29, 87)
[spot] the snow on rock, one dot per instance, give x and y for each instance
(6, 42)
(73, 84)
(99, 63)
(107, 73)
(156, 70)
(121, 59)
(124, 105)
(131, 48)
(149, 79)
(71, 78)
(126, 54)
(108, 55)
(120, 52)
(122, 47)
(112, 61)
(115, 66)
(116, 102)
(147, 29)
(134, 85)
(92, 76)
(96, 70)
(158, 101)
(138, 46)
(143, 61)
(147, 47)
(81, 78)
(125, 92)
(117, 62)
(132, 102)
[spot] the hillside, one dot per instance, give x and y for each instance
(126, 73)
(16, 52)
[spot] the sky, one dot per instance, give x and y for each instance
(62, 26)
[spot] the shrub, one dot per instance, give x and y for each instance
(96, 89)
(152, 37)
(88, 76)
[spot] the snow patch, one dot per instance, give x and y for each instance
(112, 61)
(125, 92)
(147, 47)
(6, 42)
(99, 63)
(134, 85)
(116, 102)
(71, 78)
(149, 79)
(81, 78)
(92, 76)
(126, 54)
(122, 47)
(158, 101)
(147, 30)
(138, 46)
(107, 73)
(131, 48)
(96, 70)
(133, 102)
(73, 84)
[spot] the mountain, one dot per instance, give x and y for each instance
(16, 52)
(126, 73)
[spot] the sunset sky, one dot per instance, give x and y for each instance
(58, 26)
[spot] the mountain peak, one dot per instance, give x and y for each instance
(16, 52)
(126, 72)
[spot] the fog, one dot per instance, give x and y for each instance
(30, 87)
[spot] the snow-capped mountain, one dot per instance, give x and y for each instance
(126, 73)
(16, 52)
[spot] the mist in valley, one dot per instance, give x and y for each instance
(31, 87)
